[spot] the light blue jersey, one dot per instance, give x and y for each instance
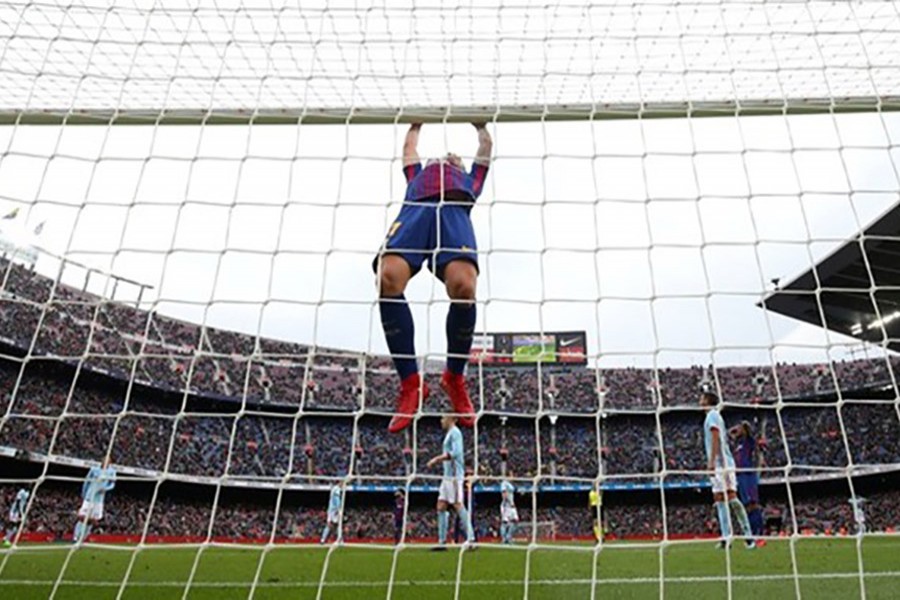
(99, 481)
(507, 494)
(715, 421)
(334, 500)
(18, 506)
(453, 447)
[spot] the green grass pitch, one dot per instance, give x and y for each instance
(828, 568)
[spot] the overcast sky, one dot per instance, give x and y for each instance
(657, 237)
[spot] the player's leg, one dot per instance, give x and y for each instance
(456, 264)
(721, 511)
(755, 516)
(460, 277)
(394, 273)
(466, 520)
(84, 526)
(460, 507)
(443, 522)
(331, 522)
(78, 534)
(400, 258)
(510, 530)
(10, 532)
(737, 509)
(592, 519)
(750, 497)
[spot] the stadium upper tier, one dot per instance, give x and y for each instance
(53, 320)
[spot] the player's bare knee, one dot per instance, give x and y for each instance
(389, 285)
(461, 287)
(392, 278)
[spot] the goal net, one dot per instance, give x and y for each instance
(682, 197)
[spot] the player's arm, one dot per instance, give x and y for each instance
(443, 457)
(485, 145)
(760, 457)
(716, 449)
(411, 145)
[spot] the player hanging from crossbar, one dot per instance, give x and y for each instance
(433, 227)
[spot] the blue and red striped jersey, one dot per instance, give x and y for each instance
(745, 456)
(442, 177)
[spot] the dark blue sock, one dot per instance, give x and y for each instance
(460, 329)
(756, 521)
(399, 331)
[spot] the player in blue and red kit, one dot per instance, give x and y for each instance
(746, 459)
(433, 228)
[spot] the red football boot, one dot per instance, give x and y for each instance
(408, 403)
(455, 386)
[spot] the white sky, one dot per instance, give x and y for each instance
(657, 237)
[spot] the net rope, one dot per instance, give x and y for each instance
(216, 225)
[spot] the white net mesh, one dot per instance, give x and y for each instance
(157, 57)
(195, 302)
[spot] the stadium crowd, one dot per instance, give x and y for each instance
(214, 403)
(47, 412)
(55, 320)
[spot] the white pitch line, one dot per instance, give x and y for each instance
(468, 583)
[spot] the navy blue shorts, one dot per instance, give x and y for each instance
(748, 488)
(431, 232)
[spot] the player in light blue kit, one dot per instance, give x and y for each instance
(451, 491)
(16, 514)
(335, 502)
(720, 463)
(509, 516)
(98, 482)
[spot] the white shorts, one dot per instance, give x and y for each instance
(723, 481)
(509, 514)
(93, 511)
(451, 491)
(334, 517)
(14, 517)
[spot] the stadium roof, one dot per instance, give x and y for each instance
(859, 287)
